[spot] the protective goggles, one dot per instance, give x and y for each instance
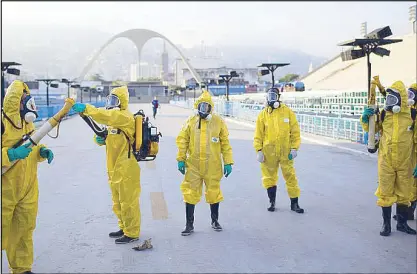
(204, 108)
(393, 98)
(112, 101)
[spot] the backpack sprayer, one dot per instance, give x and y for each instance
(144, 148)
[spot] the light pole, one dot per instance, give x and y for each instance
(226, 78)
(5, 68)
(69, 84)
(270, 68)
(48, 82)
(82, 90)
(370, 44)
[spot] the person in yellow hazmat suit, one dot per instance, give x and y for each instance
(202, 142)
(412, 100)
(19, 185)
(412, 97)
(122, 168)
(394, 157)
(276, 141)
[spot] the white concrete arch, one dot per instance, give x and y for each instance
(139, 37)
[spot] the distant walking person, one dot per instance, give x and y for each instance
(155, 106)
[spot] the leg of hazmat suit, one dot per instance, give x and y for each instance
(277, 132)
(205, 140)
(19, 195)
(122, 167)
(413, 195)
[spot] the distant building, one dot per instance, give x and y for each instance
(165, 65)
(134, 68)
(246, 75)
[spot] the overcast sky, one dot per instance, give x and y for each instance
(314, 28)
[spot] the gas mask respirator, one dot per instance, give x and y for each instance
(112, 102)
(29, 112)
(204, 110)
(272, 98)
(412, 97)
(393, 101)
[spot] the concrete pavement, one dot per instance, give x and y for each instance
(339, 231)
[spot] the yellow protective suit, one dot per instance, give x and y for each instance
(394, 156)
(122, 168)
(414, 155)
(277, 132)
(201, 150)
(19, 186)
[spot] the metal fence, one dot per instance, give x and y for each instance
(334, 127)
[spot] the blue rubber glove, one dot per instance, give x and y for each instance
(100, 140)
(415, 172)
(366, 113)
(181, 167)
(78, 107)
(292, 155)
(227, 170)
(19, 153)
(47, 153)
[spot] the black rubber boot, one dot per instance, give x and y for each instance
(125, 240)
(214, 208)
(386, 226)
(411, 210)
(189, 216)
(116, 234)
(295, 207)
(272, 194)
(402, 214)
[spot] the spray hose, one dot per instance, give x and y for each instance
(99, 131)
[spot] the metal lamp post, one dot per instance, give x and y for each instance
(69, 84)
(226, 78)
(270, 68)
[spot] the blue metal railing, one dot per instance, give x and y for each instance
(334, 127)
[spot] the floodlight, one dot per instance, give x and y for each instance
(13, 71)
(263, 72)
(382, 52)
(352, 54)
(380, 33)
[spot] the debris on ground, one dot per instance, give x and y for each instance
(145, 245)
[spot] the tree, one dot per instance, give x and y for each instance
(289, 78)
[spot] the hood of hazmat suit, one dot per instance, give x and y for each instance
(19, 184)
(122, 168)
(276, 133)
(394, 158)
(201, 144)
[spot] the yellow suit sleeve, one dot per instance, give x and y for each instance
(295, 139)
(259, 133)
(225, 144)
(110, 117)
(183, 140)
